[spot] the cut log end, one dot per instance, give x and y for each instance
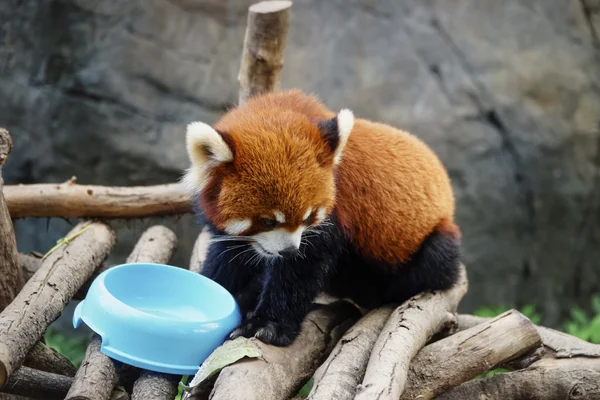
(265, 7)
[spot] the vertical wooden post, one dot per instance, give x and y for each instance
(264, 45)
(11, 277)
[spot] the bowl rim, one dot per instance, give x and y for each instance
(101, 282)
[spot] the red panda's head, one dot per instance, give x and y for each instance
(267, 174)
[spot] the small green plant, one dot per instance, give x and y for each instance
(72, 348)
(584, 326)
(304, 392)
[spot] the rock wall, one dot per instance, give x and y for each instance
(507, 93)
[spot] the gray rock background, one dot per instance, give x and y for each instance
(507, 93)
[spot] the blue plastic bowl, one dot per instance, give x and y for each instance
(158, 317)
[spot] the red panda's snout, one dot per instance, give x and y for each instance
(269, 185)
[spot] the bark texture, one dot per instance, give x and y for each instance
(38, 384)
(11, 277)
(449, 362)
(43, 358)
(72, 200)
(555, 344)
(264, 46)
(550, 380)
(408, 329)
(338, 377)
(281, 371)
(155, 386)
(98, 374)
(96, 377)
(46, 294)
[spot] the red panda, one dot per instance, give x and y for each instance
(301, 200)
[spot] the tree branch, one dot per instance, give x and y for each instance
(43, 358)
(555, 344)
(343, 370)
(264, 45)
(88, 201)
(11, 277)
(449, 362)
(281, 371)
(407, 330)
(559, 379)
(46, 294)
(38, 384)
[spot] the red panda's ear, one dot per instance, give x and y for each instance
(206, 145)
(335, 132)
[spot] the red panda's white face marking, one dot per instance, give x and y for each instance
(279, 216)
(266, 174)
(277, 242)
(237, 226)
(321, 214)
(307, 214)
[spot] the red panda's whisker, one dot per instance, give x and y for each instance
(232, 248)
(240, 253)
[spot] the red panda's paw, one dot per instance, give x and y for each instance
(268, 332)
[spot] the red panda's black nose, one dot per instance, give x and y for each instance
(288, 252)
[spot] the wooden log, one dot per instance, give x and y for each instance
(156, 245)
(44, 385)
(89, 201)
(555, 344)
(449, 362)
(38, 384)
(46, 294)
(11, 277)
(551, 379)
(31, 263)
(96, 378)
(407, 330)
(343, 370)
(199, 251)
(281, 371)
(98, 374)
(43, 358)
(264, 45)
(155, 386)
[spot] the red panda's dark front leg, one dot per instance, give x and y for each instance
(289, 288)
(227, 264)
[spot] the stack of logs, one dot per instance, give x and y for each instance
(421, 349)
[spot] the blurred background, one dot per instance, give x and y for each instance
(506, 92)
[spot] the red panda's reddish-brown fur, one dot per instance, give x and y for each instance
(390, 191)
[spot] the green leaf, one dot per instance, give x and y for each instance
(492, 373)
(490, 311)
(305, 391)
(596, 303)
(579, 316)
(224, 355)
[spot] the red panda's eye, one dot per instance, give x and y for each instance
(268, 223)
